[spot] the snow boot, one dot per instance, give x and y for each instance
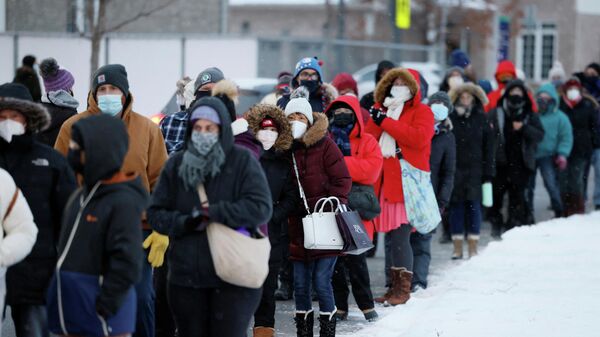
(327, 323)
(473, 241)
(388, 293)
(370, 315)
(304, 323)
(261, 331)
(285, 292)
(579, 204)
(400, 286)
(457, 240)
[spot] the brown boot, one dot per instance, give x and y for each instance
(473, 241)
(457, 240)
(388, 293)
(261, 331)
(401, 286)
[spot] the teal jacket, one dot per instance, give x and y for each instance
(558, 133)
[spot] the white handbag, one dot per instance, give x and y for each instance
(320, 228)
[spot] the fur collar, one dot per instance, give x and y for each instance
(471, 88)
(257, 113)
(383, 87)
(38, 118)
(317, 131)
(330, 92)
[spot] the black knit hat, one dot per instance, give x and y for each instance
(15, 90)
(441, 97)
(594, 66)
(114, 74)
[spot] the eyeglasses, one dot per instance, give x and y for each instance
(308, 76)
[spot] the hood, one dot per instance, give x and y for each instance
(105, 143)
(38, 118)
(257, 114)
(330, 93)
(506, 67)
(550, 89)
(410, 76)
(227, 91)
(471, 88)
(63, 99)
(226, 134)
(383, 65)
(317, 130)
(517, 83)
(354, 105)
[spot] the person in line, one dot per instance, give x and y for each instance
(383, 67)
(282, 88)
(238, 197)
(346, 85)
(46, 181)
(321, 172)
(27, 75)
(364, 161)
(455, 76)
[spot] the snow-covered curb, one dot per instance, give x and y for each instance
(542, 280)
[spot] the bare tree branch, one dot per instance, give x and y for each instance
(141, 14)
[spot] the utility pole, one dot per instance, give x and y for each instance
(341, 28)
(396, 32)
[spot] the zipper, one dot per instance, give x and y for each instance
(82, 204)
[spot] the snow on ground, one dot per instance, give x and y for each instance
(542, 280)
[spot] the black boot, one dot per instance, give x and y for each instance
(327, 322)
(304, 323)
(285, 292)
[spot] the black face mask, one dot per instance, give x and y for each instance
(200, 94)
(311, 85)
(545, 105)
(343, 120)
(515, 102)
(74, 159)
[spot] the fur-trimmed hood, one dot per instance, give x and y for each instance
(259, 112)
(227, 88)
(38, 118)
(316, 131)
(409, 76)
(472, 89)
(330, 92)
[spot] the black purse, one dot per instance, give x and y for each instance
(362, 199)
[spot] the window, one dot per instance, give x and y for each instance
(536, 50)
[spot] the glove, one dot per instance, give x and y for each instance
(197, 221)
(158, 244)
(561, 162)
(377, 115)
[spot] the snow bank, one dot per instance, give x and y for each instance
(542, 280)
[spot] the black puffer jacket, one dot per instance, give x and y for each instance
(238, 196)
(584, 119)
(58, 115)
(108, 238)
(46, 180)
(443, 163)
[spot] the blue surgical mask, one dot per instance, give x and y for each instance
(203, 142)
(110, 104)
(440, 111)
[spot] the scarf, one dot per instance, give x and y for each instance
(341, 136)
(395, 106)
(196, 168)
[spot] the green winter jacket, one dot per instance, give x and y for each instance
(558, 135)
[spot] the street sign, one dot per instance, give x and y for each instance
(403, 14)
(503, 38)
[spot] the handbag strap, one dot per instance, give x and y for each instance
(13, 200)
(302, 195)
(203, 196)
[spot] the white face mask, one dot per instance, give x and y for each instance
(573, 94)
(455, 81)
(10, 128)
(267, 138)
(298, 129)
(401, 91)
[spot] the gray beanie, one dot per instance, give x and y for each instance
(441, 97)
(114, 74)
(208, 75)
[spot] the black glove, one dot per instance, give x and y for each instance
(377, 115)
(487, 179)
(198, 220)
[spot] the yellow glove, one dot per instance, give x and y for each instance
(158, 244)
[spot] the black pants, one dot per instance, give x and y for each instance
(515, 185)
(354, 266)
(30, 320)
(265, 314)
(165, 324)
(213, 312)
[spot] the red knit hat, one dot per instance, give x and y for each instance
(344, 81)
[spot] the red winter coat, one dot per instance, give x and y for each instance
(413, 132)
(323, 173)
(366, 160)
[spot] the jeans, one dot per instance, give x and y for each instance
(355, 267)
(213, 312)
(596, 164)
(462, 213)
(30, 320)
(144, 325)
(421, 247)
(549, 174)
(319, 271)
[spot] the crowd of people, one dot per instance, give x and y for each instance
(111, 223)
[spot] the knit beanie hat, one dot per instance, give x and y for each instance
(557, 70)
(208, 75)
(114, 74)
(441, 97)
(344, 81)
(55, 79)
(308, 63)
(459, 58)
(205, 112)
(299, 103)
(594, 66)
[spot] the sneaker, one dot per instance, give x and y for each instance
(371, 315)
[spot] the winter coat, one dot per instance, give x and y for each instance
(475, 146)
(245, 138)
(413, 132)
(278, 170)
(318, 102)
(591, 85)
(100, 239)
(19, 232)
(323, 173)
(46, 180)
(238, 198)
(516, 147)
(366, 160)
(443, 162)
(584, 120)
(147, 152)
(60, 108)
(558, 134)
